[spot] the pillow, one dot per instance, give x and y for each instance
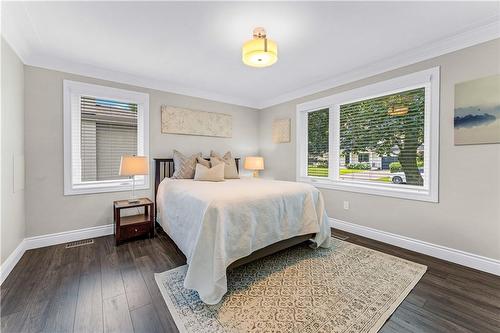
(184, 166)
(230, 170)
(214, 174)
(203, 161)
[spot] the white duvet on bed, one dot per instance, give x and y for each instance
(215, 224)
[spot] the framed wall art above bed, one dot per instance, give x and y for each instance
(175, 120)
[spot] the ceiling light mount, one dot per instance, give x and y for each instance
(259, 32)
(260, 51)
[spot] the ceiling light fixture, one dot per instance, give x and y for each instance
(260, 51)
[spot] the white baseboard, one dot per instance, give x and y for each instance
(442, 252)
(68, 236)
(12, 260)
(48, 240)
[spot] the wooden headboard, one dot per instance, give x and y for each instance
(164, 168)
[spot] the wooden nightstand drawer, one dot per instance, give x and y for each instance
(134, 230)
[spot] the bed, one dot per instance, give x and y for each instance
(221, 225)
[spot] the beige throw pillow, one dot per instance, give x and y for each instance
(184, 166)
(214, 174)
(203, 161)
(230, 170)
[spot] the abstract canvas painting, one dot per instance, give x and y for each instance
(281, 130)
(176, 120)
(477, 111)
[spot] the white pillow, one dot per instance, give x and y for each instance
(213, 174)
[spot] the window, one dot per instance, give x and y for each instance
(362, 157)
(317, 148)
(389, 126)
(100, 125)
(379, 139)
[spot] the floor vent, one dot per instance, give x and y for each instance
(79, 243)
(340, 237)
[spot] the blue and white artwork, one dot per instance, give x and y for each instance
(477, 111)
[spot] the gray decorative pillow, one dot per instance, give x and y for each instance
(184, 166)
(203, 161)
(230, 170)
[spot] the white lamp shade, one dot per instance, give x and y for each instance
(254, 163)
(134, 165)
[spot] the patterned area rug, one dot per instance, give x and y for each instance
(347, 288)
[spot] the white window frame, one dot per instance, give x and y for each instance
(429, 79)
(73, 91)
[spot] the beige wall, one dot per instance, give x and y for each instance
(49, 211)
(12, 142)
(467, 216)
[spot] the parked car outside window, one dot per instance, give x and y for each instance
(400, 178)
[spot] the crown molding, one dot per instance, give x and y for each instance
(489, 30)
(62, 65)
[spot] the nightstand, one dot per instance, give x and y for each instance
(133, 226)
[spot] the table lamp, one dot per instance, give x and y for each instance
(131, 165)
(254, 163)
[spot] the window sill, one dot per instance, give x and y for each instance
(373, 189)
(102, 188)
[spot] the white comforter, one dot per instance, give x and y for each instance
(215, 224)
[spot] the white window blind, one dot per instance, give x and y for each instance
(100, 125)
(383, 139)
(88, 151)
(108, 131)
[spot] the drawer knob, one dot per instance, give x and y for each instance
(135, 230)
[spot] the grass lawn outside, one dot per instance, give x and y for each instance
(348, 171)
(384, 179)
(323, 172)
(317, 171)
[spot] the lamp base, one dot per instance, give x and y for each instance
(133, 201)
(255, 174)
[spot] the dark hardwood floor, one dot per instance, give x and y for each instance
(101, 287)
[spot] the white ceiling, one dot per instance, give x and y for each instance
(194, 48)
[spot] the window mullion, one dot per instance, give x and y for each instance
(304, 154)
(334, 144)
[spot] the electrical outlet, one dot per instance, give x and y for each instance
(346, 205)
